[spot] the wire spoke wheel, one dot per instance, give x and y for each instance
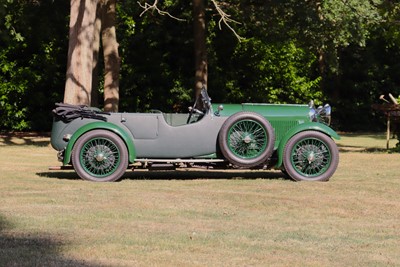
(246, 139)
(100, 156)
(310, 156)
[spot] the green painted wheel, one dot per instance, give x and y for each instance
(246, 139)
(310, 156)
(100, 156)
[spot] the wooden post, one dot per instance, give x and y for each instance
(388, 131)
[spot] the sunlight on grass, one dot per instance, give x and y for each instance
(200, 218)
(365, 142)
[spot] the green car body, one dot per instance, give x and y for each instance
(253, 136)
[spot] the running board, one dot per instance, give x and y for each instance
(179, 160)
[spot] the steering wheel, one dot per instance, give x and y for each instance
(193, 111)
(206, 104)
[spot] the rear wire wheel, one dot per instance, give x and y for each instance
(246, 139)
(310, 156)
(100, 156)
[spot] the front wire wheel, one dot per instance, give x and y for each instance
(310, 156)
(100, 156)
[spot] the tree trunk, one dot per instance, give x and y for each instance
(199, 32)
(111, 57)
(78, 84)
(96, 50)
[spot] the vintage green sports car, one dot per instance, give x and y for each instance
(102, 146)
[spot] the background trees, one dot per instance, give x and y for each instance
(32, 61)
(343, 52)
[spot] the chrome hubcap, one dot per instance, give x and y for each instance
(100, 157)
(247, 139)
(311, 157)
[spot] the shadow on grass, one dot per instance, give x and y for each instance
(180, 175)
(202, 174)
(18, 139)
(32, 249)
(64, 175)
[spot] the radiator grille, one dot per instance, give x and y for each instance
(281, 127)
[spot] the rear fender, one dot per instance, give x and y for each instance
(128, 139)
(308, 126)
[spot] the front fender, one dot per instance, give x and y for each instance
(95, 126)
(313, 126)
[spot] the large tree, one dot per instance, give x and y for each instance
(106, 18)
(87, 20)
(200, 50)
(78, 86)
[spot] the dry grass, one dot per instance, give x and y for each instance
(199, 218)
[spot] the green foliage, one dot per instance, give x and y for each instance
(13, 76)
(272, 73)
(12, 87)
(349, 21)
(32, 62)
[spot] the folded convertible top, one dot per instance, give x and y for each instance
(68, 112)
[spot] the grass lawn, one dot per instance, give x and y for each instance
(200, 218)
